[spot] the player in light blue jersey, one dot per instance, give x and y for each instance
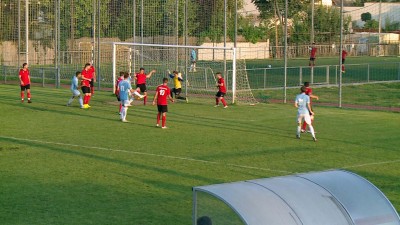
(125, 91)
(75, 89)
(302, 103)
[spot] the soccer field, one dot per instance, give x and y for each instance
(66, 165)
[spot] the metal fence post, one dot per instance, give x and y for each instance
(205, 75)
(301, 75)
(58, 77)
(368, 73)
(327, 74)
(312, 75)
(5, 74)
(42, 72)
(265, 78)
(336, 70)
(398, 72)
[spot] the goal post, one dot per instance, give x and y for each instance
(199, 81)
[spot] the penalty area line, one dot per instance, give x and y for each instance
(146, 154)
(371, 164)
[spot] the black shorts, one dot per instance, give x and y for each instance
(220, 94)
(312, 59)
(343, 61)
(162, 108)
(25, 87)
(117, 97)
(142, 87)
(177, 91)
(85, 89)
(92, 82)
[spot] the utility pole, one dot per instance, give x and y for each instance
(312, 22)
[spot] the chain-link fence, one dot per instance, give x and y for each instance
(65, 35)
(58, 37)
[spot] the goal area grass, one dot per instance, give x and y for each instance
(66, 165)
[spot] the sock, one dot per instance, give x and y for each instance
(304, 126)
(311, 130)
(88, 99)
(92, 90)
(223, 101)
(164, 119)
(342, 67)
(144, 100)
(298, 130)
(120, 107)
(80, 101)
(85, 99)
(22, 95)
(216, 101)
(158, 118)
(70, 100)
(124, 112)
(29, 95)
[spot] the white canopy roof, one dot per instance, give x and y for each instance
(323, 198)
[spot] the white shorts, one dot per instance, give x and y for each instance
(125, 103)
(305, 117)
(75, 93)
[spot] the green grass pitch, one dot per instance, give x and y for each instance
(65, 165)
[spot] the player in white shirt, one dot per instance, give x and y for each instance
(75, 89)
(302, 103)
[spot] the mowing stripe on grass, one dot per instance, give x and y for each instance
(147, 154)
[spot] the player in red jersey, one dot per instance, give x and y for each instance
(313, 55)
(309, 93)
(221, 91)
(141, 82)
(93, 80)
(120, 78)
(344, 54)
(162, 93)
(87, 76)
(25, 82)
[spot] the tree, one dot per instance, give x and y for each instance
(366, 16)
(210, 13)
(371, 25)
(326, 21)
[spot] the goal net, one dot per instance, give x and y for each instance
(197, 65)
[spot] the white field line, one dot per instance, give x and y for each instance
(188, 159)
(146, 154)
(372, 164)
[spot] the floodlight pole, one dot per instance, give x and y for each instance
(98, 73)
(312, 22)
(285, 55)
(27, 30)
(134, 34)
(114, 65)
(225, 33)
(236, 19)
(177, 34)
(340, 54)
(379, 28)
(234, 76)
(19, 31)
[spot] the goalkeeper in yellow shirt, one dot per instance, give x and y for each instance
(177, 78)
